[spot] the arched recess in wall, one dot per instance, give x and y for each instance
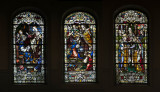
(28, 43)
(131, 28)
(79, 47)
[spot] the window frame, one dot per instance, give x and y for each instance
(146, 12)
(11, 52)
(94, 15)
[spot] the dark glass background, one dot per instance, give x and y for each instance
(54, 12)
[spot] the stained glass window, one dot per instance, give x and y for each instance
(80, 47)
(28, 48)
(131, 32)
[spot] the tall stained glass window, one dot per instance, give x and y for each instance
(80, 47)
(28, 46)
(131, 32)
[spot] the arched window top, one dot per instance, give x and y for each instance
(131, 16)
(79, 18)
(28, 17)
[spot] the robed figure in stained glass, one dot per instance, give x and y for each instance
(28, 37)
(131, 47)
(79, 33)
